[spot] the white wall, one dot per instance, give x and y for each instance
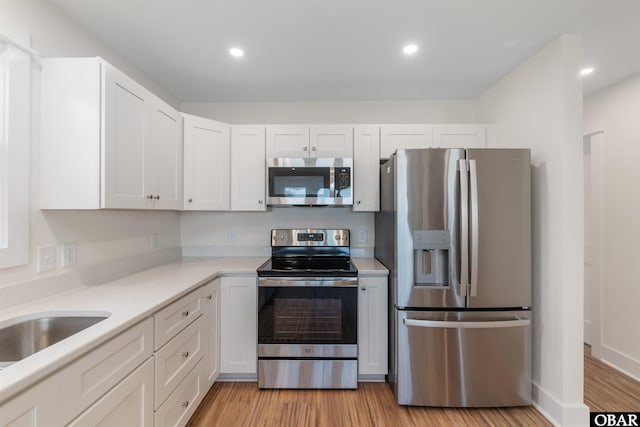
(615, 335)
(103, 237)
(375, 112)
(538, 105)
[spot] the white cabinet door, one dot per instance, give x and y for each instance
(206, 164)
(331, 141)
(394, 137)
(166, 156)
(211, 332)
(366, 168)
(460, 136)
(248, 168)
(238, 334)
(130, 403)
(39, 406)
(372, 325)
(287, 141)
(127, 142)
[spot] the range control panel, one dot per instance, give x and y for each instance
(310, 237)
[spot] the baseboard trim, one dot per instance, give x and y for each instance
(620, 361)
(558, 414)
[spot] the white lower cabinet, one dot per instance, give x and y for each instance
(238, 326)
(182, 403)
(372, 326)
(211, 332)
(37, 407)
(130, 403)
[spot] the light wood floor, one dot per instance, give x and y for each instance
(242, 404)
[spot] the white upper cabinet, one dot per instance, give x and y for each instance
(394, 137)
(127, 142)
(366, 168)
(206, 164)
(248, 168)
(287, 141)
(106, 141)
(304, 141)
(460, 136)
(166, 153)
(331, 141)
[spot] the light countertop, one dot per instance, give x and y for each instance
(129, 300)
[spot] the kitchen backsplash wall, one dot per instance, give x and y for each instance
(248, 233)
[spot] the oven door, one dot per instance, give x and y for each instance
(309, 181)
(311, 318)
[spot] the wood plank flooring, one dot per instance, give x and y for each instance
(242, 404)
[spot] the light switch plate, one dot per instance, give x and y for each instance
(68, 254)
(46, 258)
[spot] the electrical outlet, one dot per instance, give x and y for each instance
(363, 236)
(155, 240)
(68, 254)
(46, 258)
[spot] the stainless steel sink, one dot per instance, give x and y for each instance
(28, 336)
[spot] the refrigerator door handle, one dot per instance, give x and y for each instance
(492, 324)
(464, 228)
(473, 172)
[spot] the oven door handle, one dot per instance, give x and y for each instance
(308, 281)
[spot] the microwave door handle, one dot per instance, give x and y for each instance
(464, 227)
(332, 182)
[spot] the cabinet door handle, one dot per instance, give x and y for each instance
(185, 313)
(313, 148)
(185, 354)
(359, 201)
(190, 200)
(364, 288)
(259, 202)
(157, 197)
(150, 196)
(209, 297)
(305, 148)
(185, 404)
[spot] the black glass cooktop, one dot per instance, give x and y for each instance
(319, 266)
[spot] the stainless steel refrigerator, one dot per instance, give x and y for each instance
(454, 229)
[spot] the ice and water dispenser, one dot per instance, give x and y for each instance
(431, 257)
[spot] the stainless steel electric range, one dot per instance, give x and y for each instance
(307, 311)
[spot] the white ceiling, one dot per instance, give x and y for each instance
(326, 50)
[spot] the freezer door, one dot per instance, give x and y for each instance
(426, 266)
(499, 228)
(463, 359)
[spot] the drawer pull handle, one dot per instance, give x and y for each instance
(209, 297)
(185, 313)
(185, 354)
(185, 404)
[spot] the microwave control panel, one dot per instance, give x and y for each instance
(343, 179)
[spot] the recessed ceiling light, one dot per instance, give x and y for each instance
(586, 71)
(410, 49)
(236, 51)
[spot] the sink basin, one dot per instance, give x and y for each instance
(27, 336)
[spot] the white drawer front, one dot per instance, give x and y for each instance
(183, 402)
(89, 377)
(176, 359)
(127, 404)
(176, 316)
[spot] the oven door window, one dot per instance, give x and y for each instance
(299, 182)
(307, 315)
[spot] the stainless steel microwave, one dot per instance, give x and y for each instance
(309, 181)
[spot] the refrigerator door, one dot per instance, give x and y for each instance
(499, 228)
(463, 359)
(426, 227)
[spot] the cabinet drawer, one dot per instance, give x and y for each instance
(176, 359)
(89, 377)
(183, 402)
(176, 316)
(127, 404)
